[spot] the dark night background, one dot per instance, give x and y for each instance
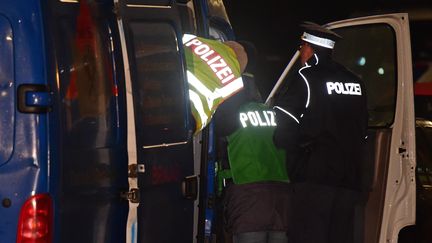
(273, 26)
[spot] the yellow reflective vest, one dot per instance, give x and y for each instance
(213, 74)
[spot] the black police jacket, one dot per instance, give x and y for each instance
(322, 122)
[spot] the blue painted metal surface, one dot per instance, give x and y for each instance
(211, 176)
(24, 138)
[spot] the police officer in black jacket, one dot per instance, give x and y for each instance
(322, 122)
(257, 193)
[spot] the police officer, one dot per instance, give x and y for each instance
(256, 197)
(322, 122)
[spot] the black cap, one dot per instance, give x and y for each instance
(319, 35)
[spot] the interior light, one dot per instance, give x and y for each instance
(361, 61)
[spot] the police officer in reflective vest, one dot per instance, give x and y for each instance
(214, 71)
(256, 197)
(322, 122)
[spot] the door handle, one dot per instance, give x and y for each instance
(34, 98)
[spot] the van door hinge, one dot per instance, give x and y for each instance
(133, 195)
(134, 169)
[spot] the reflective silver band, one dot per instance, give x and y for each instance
(327, 43)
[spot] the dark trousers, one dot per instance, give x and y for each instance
(323, 214)
(261, 237)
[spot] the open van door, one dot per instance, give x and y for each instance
(87, 154)
(377, 48)
(162, 185)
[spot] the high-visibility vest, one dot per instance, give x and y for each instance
(213, 74)
(252, 155)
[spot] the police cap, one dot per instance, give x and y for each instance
(319, 35)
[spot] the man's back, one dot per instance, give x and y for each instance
(322, 121)
(333, 125)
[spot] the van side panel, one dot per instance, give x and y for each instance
(23, 136)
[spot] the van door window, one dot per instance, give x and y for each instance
(160, 97)
(372, 56)
(88, 83)
(7, 95)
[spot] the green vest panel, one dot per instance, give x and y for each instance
(252, 155)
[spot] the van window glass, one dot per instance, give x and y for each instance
(7, 94)
(421, 46)
(158, 83)
(87, 80)
(424, 154)
(370, 52)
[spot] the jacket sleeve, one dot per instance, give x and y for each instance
(289, 106)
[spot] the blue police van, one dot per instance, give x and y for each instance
(95, 131)
(96, 139)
